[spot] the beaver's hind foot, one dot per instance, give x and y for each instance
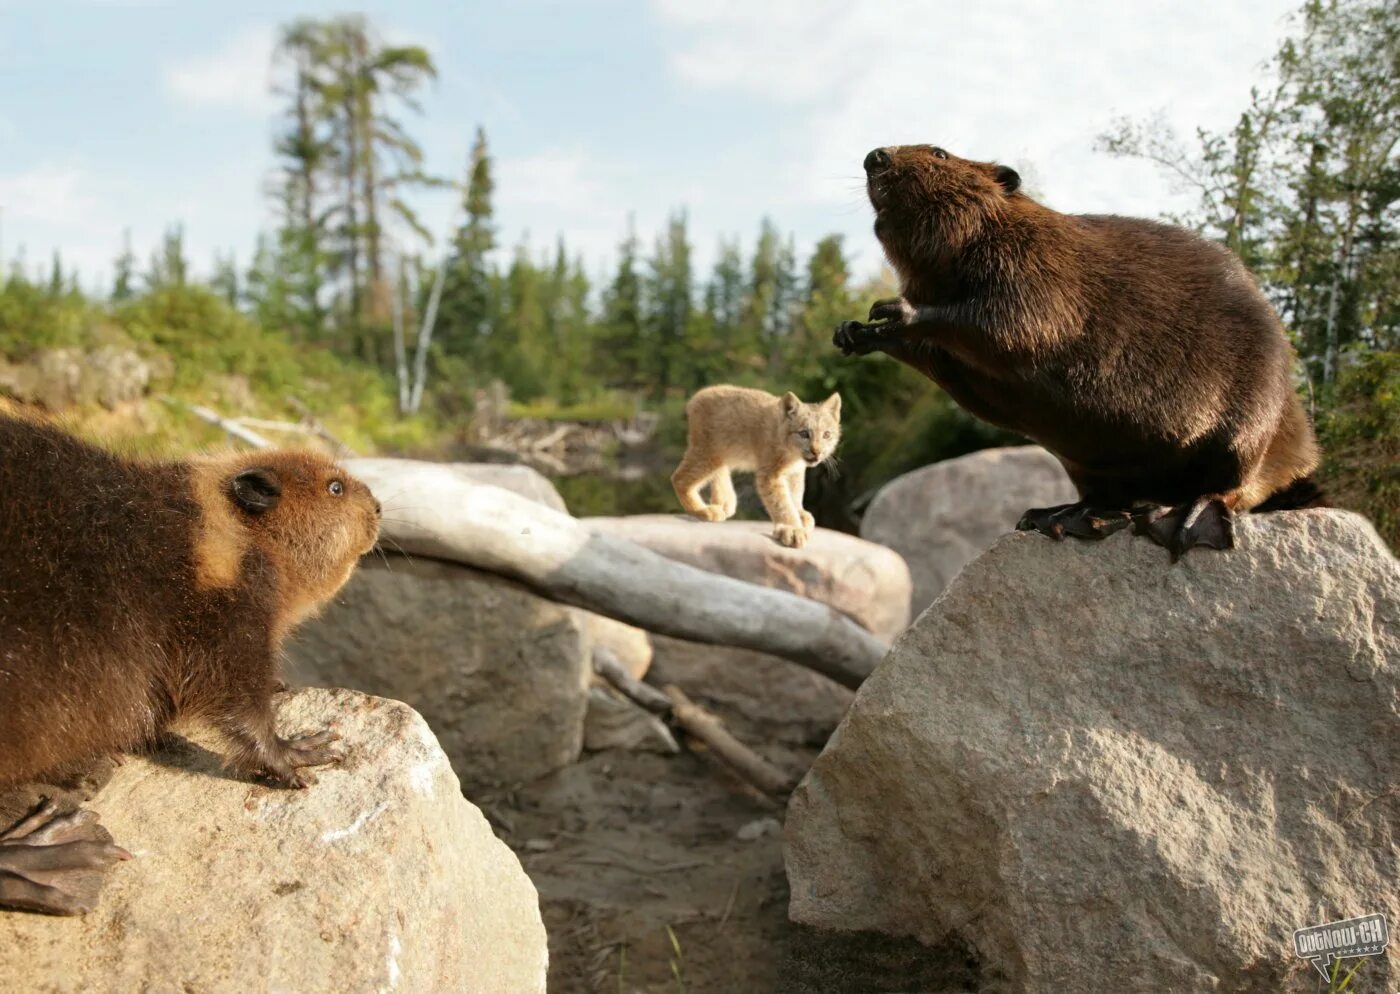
(1081, 519)
(55, 862)
(1207, 521)
(300, 751)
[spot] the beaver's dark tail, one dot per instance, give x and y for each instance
(1299, 494)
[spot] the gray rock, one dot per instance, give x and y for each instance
(1107, 772)
(500, 673)
(380, 876)
(941, 517)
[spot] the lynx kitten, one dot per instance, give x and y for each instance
(775, 438)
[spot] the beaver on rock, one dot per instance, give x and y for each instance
(135, 593)
(1143, 356)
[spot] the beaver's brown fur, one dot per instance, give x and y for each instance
(1144, 356)
(135, 593)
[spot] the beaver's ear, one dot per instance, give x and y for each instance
(256, 490)
(1009, 178)
(790, 403)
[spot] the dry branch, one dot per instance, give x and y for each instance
(707, 728)
(610, 668)
(233, 428)
(695, 721)
(432, 511)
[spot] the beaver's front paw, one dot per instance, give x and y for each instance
(793, 536)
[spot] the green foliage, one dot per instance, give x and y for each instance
(204, 351)
(1360, 435)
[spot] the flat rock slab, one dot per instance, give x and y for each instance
(943, 516)
(1107, 772)
(868, 582)
(378, 877)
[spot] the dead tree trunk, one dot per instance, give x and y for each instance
(430, 511)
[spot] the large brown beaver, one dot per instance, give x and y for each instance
(135, 593)
(1143, 356)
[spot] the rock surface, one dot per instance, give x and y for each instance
(631, 645)
(500, 673)
(750, 689)
(379, 877)
(1107, 772)
(861, 579)
(941, 517)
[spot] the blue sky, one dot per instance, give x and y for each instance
(117, 115)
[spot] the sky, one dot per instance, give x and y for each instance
(133, 115)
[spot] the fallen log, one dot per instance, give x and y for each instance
(431, 511)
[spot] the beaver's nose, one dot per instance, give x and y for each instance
(877, 161)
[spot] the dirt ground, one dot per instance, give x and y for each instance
(665, 873)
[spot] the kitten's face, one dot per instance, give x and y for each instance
(813, 429)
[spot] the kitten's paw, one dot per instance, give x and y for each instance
(729, 510)
(793, 536)
(808, 522)
(709, 512)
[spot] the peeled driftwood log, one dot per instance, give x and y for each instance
(429, 510)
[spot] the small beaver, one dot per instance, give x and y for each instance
(1142, 355)
(134, 593)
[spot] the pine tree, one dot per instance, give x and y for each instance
(224, 280)
(620, 340)
(669, 307)
(466, 297)
(124, 271)
(827, 302)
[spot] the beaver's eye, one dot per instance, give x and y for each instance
(336, 488)
(938, 153)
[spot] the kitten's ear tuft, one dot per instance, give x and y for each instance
(256, 490)
(790, 403)
(833, 404)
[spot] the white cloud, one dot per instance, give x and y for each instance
(47, 194)
(237, 75)
(1032, 83)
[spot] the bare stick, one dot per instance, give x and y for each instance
(232, 427)
(429, 510)
(315, 425)
(610, 668)
(743, 760)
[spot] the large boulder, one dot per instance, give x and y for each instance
(758, 693)
(941, 517)
(500, 673)
(1108, 772)
(380, 876)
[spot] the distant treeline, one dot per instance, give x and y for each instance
(1305, 187)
